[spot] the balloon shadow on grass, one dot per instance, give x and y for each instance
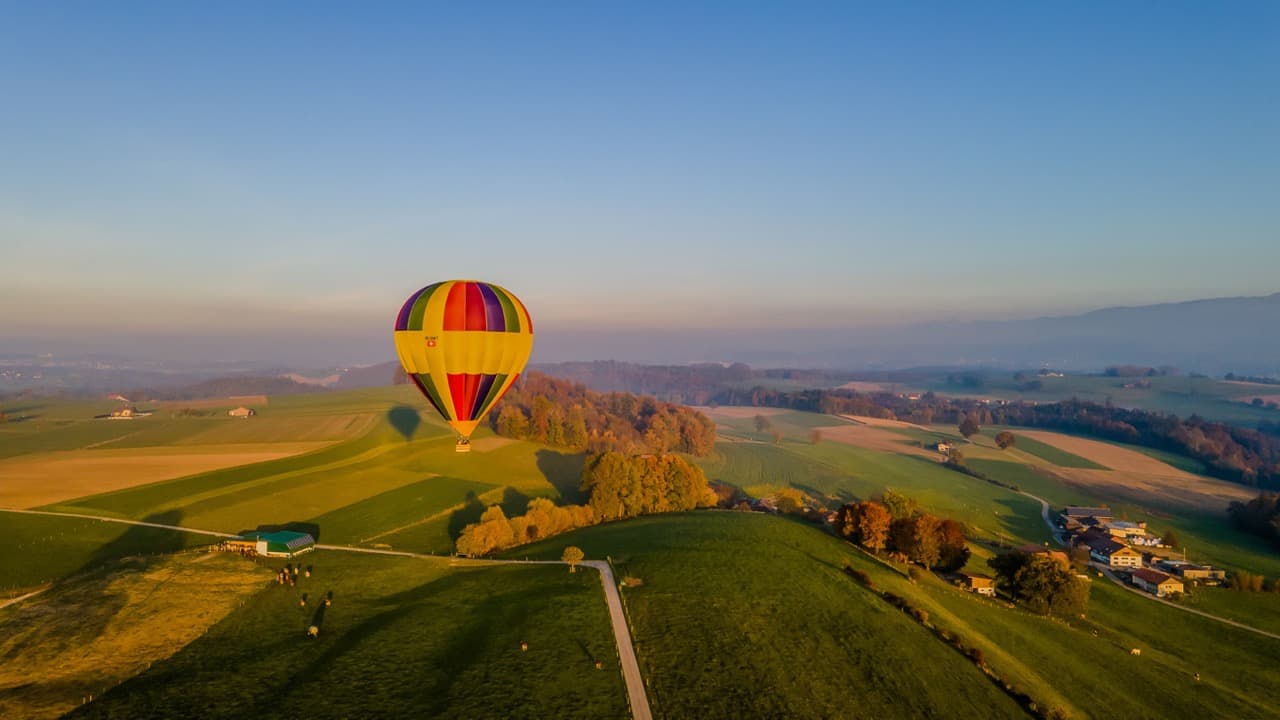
(405, 420)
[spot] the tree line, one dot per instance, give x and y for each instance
(567, 414)
(893, 523)
(618, 486)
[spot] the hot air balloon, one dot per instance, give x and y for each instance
(463, 343)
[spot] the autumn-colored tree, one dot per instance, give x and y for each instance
(777, 437)
(815, 436)
(1006, 439)
(762, 423)
(512, 422)
(1170, 539)
(955, 457)
(575, 428)
(790, 501)
(969, 426)
(572, 555)
(953, 551)
(872, 528)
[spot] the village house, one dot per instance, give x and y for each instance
(943, 447)
(1191, 572)
(1156, 583)
(1080, 513)
(981, 584)
(242, 412)
(1115, 554)
(1041, 550)
(1124, 529)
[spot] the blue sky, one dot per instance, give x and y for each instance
(290, 173)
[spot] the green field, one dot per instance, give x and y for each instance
(778, 631)
(722, 629)
(41, 549)
(844, 473)
(403, 638)
(1053, 455)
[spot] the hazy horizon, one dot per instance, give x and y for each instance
(655, 183)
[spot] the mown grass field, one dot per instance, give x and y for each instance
(742, 632)
(403, 638)
(82, 637)
(742, 615)
(42, 549)
(1053, 455)
(845, 473)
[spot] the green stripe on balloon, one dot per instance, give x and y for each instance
(508, 310)
(428, 387)
(420, 307)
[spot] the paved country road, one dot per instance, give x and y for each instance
(1044, 513)
(621, 633)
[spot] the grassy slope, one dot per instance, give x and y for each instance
(97, 631)
(38, 549)
(1055, 456)
(715, 626)
(743, 615)
(845, 473)
(404, 638)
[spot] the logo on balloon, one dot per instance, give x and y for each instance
(431, 342)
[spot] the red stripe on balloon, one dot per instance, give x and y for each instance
(475, 308)
(458, 389)
(455, 308)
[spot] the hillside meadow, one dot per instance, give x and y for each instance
(402, 638)
(745, 634)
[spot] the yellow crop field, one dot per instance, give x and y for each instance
(44, 478)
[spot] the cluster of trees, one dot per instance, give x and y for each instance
(618, 486)
(1043, 583)
(623, 486)
(1260, 516)
(1256, 379)
(1237, 454)
(696, 384)
(542, 519)
(894, 524)
(567, 414)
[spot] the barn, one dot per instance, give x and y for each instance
(283, 543)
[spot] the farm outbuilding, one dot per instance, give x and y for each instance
(284, 543)
(242, 412)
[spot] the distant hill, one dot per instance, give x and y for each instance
(368, 376)
(1212, 336)
(228, 387)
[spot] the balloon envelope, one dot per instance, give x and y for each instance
(463, 343)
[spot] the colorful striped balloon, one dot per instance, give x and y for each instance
(463, 343)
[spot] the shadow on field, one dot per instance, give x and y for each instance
(405, 420)
(564, 472)
(310, 528)
(141, 540)
(469, 513)
(514, 502)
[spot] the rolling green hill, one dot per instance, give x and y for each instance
(750, 615)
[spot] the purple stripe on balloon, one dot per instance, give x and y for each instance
(494, 320)
(402, 320)
(482, 393)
